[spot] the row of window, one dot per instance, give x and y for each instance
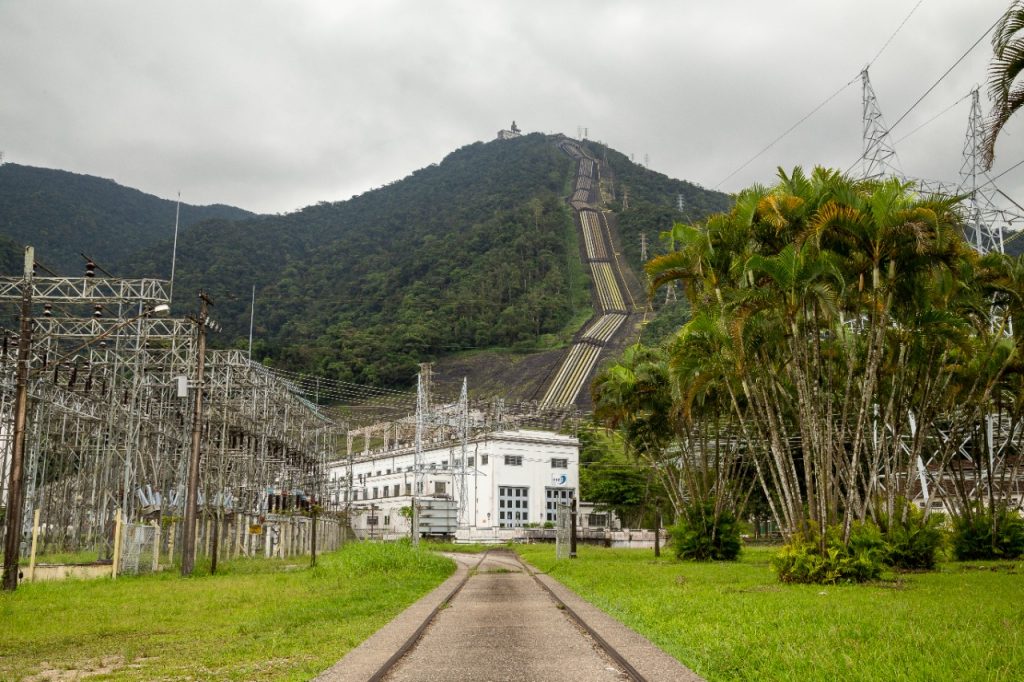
(510, 460)
(517, 461)
(511, 498)
(440, 488)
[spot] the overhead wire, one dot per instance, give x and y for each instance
(787, 132)
(887, 42)
(943, 76)
(927, 92)
(823, 102)
(933, 118)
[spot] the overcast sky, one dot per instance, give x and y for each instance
(272, 106)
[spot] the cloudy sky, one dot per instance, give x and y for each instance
(272, 106)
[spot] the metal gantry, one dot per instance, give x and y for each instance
(109, 416)
(980, 460)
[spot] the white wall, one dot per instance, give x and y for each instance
(442, 476)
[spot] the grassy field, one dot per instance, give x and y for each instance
(254, 620)
(734, 621)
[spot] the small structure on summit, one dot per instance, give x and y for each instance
(509, 134)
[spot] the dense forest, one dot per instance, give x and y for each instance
(477, 251)
(653, 203)
(65, 214)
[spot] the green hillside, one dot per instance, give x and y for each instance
(477, 252)
(653, 206)
(65, 214)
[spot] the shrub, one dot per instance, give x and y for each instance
(803, 560)
(912, 540)
(985, 535)
(701, 536)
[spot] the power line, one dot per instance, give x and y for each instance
(993, 180)
(933, 118)
(825, 101)
(943, 76)
(788, 131)
(905, 19)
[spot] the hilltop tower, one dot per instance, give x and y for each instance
(509, 134)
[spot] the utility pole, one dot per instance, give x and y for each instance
(15, 487)
(643, 247)
(657, 533)
(572, 530)
(188, 540)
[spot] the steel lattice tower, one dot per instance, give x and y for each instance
(878, 158)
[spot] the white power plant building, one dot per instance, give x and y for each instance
(498, 484)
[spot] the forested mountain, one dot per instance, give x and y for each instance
(478, 251)
(65, 214)
(652, 203)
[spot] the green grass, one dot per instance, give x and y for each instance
(439, 546)
(84, 556)
(734, 621)
(255, 619)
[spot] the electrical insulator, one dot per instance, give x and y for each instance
(90, 269)
(97, 310)
(47, 310)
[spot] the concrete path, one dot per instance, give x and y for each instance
(503, 626)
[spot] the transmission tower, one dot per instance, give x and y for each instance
(643, 247)
(980, 213)
(879, 157)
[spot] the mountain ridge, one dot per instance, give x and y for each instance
(63, 214)
(478, 252)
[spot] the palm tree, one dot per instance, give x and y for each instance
(840, 317)
(1007, 63)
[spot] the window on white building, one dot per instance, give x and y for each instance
(513, 460)
(509, 498)
(552, 498)
(557, 463)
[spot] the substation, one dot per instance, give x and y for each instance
(108, 397)
(111, 387)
